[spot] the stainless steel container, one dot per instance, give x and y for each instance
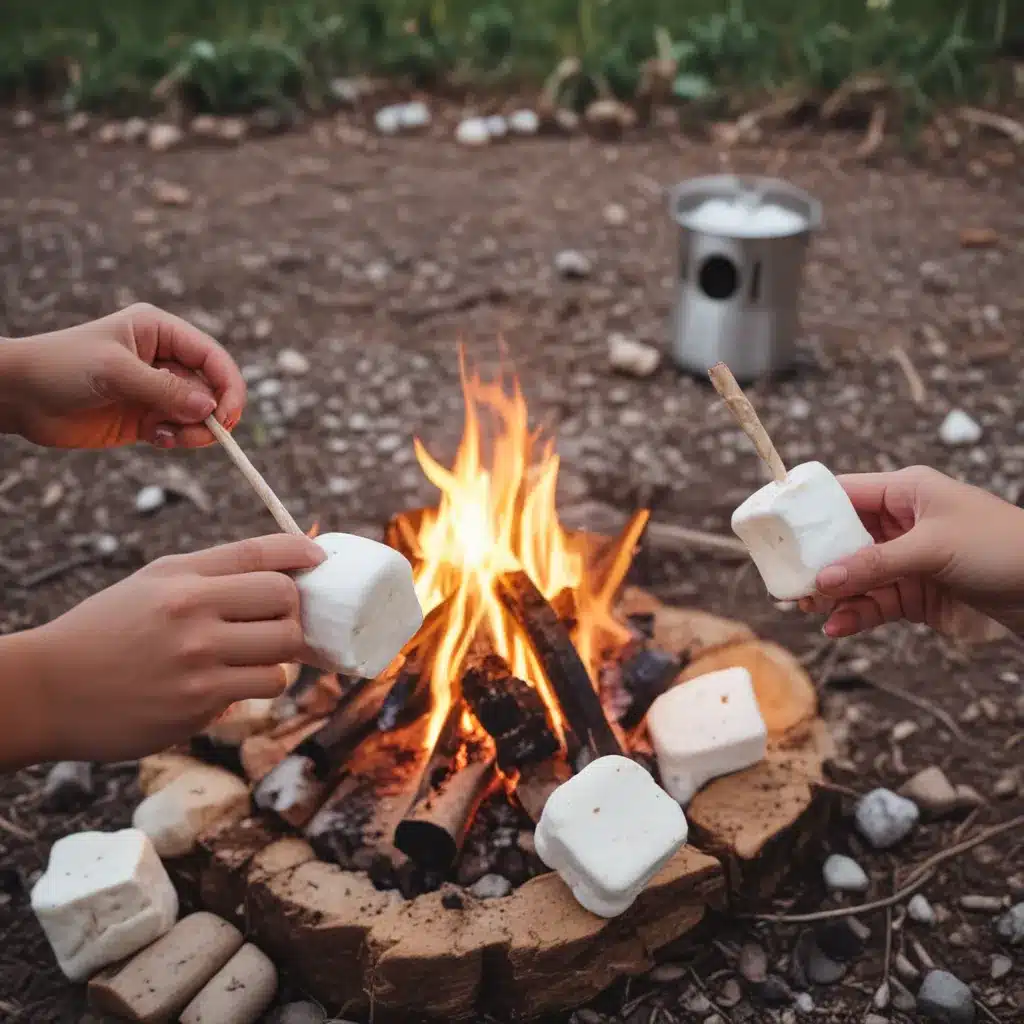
(741, 255)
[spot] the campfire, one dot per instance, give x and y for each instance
(498, 692)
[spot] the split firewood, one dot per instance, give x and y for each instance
(260, 754)
(359, 606)
(239, 993)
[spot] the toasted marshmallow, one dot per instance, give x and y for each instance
(359, 606)
(607, 832)
(704, 728)
(795, 527)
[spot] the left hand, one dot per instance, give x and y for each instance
(138, 375)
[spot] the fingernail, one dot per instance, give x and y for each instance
(164, 436)
(199, 405)
(832, 576)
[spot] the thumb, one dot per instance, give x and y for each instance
(915, 553)
(128, 379)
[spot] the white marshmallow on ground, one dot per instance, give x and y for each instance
(359, 606)
(706, 727)
(607, 832)
(203, 796)
(795, 527)
(103, 897)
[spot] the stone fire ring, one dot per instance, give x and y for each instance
(447, 956)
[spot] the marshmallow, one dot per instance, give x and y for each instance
(359, 606)
(795, 527)
(704, 728)
(607, 832)
(175, 816)
(103, 897)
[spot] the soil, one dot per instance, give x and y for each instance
(374, 258)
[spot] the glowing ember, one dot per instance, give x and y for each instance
(497, 515)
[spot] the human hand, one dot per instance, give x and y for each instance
(138, 375)
(153, 659)
(943, 548)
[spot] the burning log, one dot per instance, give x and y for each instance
(313, 692)
(536, 782)
(510, 710)
(452, 787)
(645, 675)
(562, 665)
(259, 755)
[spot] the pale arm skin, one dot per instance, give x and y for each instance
(150, 660)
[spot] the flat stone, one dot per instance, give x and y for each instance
(818, 968)
(1010, 926)
(844, 874)
(920, 910)
(491, 887)
(944, 997)
(753, 963)
(931, 791)
(1000, 967)
(664, 974)
(981, 904)
(959, 429)
(883, 818)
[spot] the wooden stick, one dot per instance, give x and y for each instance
(281, 515)
(739, 405)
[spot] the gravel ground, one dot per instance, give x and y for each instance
(373, 258)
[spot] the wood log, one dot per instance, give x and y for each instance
(510, 710)
(562, 666)
(402, 532)
(433, 829)
(536, 782)
(646, 674)
(259, 755)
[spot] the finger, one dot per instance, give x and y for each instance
(867, 491)
(247, 644)
(123, 377)
(816, 604)
(229, 685)
(172, 339)
(917, 552)
(155, 429)
(853, 616)
(277, 552)
(254, 597)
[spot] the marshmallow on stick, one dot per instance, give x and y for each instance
(800, 522)
(359, 606)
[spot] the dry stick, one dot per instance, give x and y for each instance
(739, 405)
(281, 515)
(918, 877)
(924, 705)
(918, 393)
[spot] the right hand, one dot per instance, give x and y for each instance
(944, 552)
(154, 658)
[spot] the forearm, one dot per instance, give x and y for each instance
(14, 378)
(25, 717)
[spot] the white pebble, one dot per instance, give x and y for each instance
(149, 499)
(607, 832)
(491, 887)
(920, 910)
(704, 728)
(572, 263)
(415, 115)
(524, 122)
(497, 126)
(292, 362)
(472, 132)
(844, 874)
(103, 897)
(269, 388)
(615, 215)
(883, 818)
(959, 429)
(389, 120)
(632, 357)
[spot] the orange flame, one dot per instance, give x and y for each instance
(497, 515)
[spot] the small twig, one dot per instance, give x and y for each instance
(57, 569)
(921, 873)
(707, 995)
(918, 392)
(1007, 126)
(875, 135)
(669, 535)
(924, 705)
(274, 505)
(743, 412)
(16, 830)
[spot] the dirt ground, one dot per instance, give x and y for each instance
(374, 258)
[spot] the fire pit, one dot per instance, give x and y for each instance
(390, 860)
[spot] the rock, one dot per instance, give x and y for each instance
(491, 887)
(269, 388)
(110, 133)
(292, 362)
(633, 358)
(103, 897)
(883, 818)
(814, 964)
(753, 963)
(106, 545)
(24, 119)
(135, 129)
(944, 997)
(168, 193)
(572, 264)
(162, 980)
(664, 974)
(978, 238)
(300, 1013)
(981, 904)
(902, 998)
(238, 993)
(402, 117)
(162, 137)
(78, 122)
(905, 969)
(202, 796)
(523, 122)
(149, 499)
(1000, 967)
(845, 874)
(203, 125)
(1005, 787)
(931, 791)
(68, 784)
(389, 120)
(609, 117)
(232, 129)
(920, 910)
(959, 429)
(730, 993)
(1010, 927)
(968, 797)
(473, 131)
(902, 731)
(415, 115)
(615, 215)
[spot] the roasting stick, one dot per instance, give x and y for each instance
(256, 481)
(739, 405)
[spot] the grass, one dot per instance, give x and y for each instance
(240, 55)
